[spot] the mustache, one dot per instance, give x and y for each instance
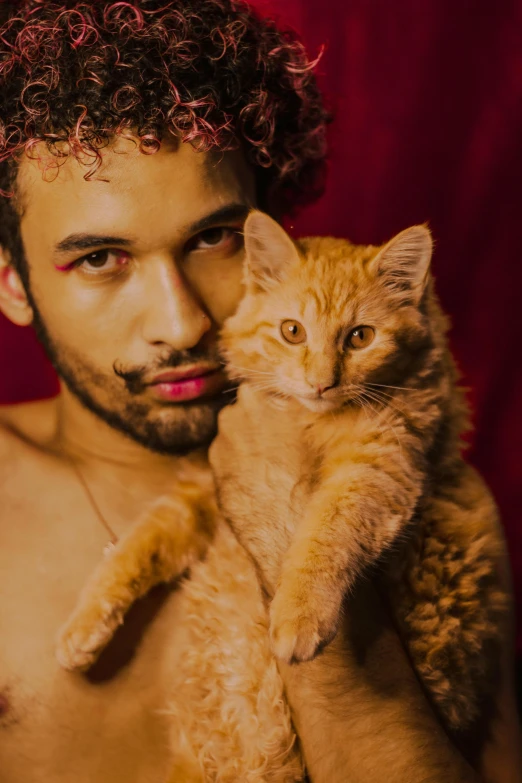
(134, 376)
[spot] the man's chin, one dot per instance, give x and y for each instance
(167, 429)
(179, 428)
(176, 429)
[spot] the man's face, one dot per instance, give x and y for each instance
(131, 275)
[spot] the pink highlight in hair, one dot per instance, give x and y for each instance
(137, 68)
(117, 10)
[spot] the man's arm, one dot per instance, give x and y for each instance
(501, 756)
(360, 712)
(359, 709)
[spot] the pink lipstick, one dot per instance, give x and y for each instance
(187, 384)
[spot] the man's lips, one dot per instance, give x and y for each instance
(183, 373)
(188, 383)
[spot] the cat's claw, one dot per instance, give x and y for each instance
(80, 642)
(295, 641)
(298, 629)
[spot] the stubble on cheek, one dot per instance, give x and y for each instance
(167, 428)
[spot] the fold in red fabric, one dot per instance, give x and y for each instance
(428, 103)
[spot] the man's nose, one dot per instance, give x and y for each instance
(173, 315)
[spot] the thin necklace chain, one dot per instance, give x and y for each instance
(113, 538)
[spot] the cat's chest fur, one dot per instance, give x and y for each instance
(228, 702)
(337, 432)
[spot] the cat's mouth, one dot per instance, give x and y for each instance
(319, 403)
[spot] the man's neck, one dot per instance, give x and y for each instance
(124, 475)
(84, 435)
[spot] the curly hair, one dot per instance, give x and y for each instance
(214, 73)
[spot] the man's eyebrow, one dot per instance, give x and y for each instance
(226, 214)
(89, 241)
(82, 241)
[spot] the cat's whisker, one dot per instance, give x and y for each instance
(379, 415)
(366, 405)
(387, 386)
(365, 394)
(262, 386)
(268, 387)
(358, 390)
(363, 406)
(249, 370)
(362, 403)
(380, 399)
(387, 400)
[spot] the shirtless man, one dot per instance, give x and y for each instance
(127, 274)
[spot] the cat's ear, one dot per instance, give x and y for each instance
(268, 250)
(403, 263)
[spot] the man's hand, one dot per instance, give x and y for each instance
(258, 459)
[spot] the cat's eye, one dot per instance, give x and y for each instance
(293, 332)
(360, 337)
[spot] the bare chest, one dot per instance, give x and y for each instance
(55, 725)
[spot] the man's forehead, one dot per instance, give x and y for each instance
(124, 172)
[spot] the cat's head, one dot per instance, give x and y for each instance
(322, 319)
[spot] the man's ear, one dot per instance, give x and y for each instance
(403, 264)
(269, 250)
(13, 299)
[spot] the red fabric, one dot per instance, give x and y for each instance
(428, 97)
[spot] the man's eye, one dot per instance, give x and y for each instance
(106, 260)
(213, 237)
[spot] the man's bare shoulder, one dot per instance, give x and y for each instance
(30, 422)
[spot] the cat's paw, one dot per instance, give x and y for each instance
(85, 635)
(302, 621)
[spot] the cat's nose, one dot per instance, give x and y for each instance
(321, 389)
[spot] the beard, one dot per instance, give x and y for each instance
(117, 398)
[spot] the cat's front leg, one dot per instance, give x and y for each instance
(174, 534)
(305, 610)
(304, 614)
(349, 523)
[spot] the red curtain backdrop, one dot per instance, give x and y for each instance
(428, 103)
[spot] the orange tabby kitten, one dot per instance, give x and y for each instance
(354, 337)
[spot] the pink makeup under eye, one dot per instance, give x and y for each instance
(65, 267)
(121, 258)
